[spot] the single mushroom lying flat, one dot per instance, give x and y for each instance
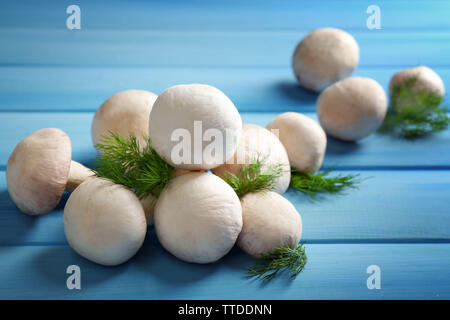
(352, 109)
(124, 113)
(304, 140)
(270, 221)
(40, 169)
(259, 142)
(425, 79)
(194, 117)
(198, 217)
(323, 57)
(104, 222)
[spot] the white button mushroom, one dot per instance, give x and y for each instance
(195, 116)
(124, 113)
(259, 142)
(352, 109)
(40, 168)
(425, 80)
(304, 140)
(104, 222)
(149, 202)
(198, 217)
(270, 222)
(323, 57)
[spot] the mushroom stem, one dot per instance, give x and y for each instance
(77, 174)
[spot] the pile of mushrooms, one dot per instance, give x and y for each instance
(196, 129)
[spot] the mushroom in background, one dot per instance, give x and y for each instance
(352, 109)
(270, 221)
(104, 222)
(198, 217)
(124, 113)
(257, 142)
(40, 169)
(425, 79)
(304, 140)
(323, 57)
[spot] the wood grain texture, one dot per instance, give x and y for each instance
(84, 89)
(207, 48)
(389, 206)
(333, 271)
(375, 152)
(226, 14)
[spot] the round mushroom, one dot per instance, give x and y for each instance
(304, 140)
(258, 142)
(124, 113)
(198, 217)
(270, 221)
(352, 109)
(149, 202)
(201, 120)
(323, 57)
(425, 80)
(40, 169)
(104, 222)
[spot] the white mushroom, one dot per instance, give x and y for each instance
(258, 142)
(304, 140)
(270, 221)
(323, 57)
(198, 217)
(352, 109)
(104, 222)
(425, 80)
(196, 118)
(149, 202)
(124, 113)
(39, 170)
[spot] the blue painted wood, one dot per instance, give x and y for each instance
(85, 89)
(208, 48)
(226, 14)
(390, 206)
(376, 151)
(333, 271)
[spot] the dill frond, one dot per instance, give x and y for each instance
(254, 177)
(313, 183)
(282, 258)
(414, 113)
(124, 161)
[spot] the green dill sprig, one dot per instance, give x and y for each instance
(254, 177)
(124, 161)
(414, 113)
(282, 258)
(313, 183)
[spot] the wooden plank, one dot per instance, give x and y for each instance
(85, 89)
(390, 206)
(207, 48)
(226, 14)
(376, 151)
(408, 271)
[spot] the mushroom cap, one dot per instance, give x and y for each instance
(270, 221)
(104, 222)
(304, 140)
(426, 80)
(184, 107)
(38, 170)
(323, 57)
(352, 109)
(198, 217)
(125, 112)
(259, 142)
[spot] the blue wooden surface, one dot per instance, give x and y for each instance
(398, 219)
